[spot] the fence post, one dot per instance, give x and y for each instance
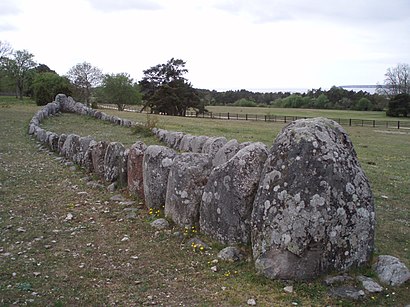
(246, 116)
(256, 117)
(265, 118)
(237, 116)
(228, 115)
(398, 124)
(285, 119)
(374, 123)
(350, 122)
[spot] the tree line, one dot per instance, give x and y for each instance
(164, 88)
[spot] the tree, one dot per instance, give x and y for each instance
(399, 105)
(18, 67)
(47, 85)
(85, 77)
(165, 90)
(397, 81)
(5, 49)
(120, 90)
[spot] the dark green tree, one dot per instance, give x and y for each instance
(119, 89)
(47, 85)
(165, 90)
(399, 105)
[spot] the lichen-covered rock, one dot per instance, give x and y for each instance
(40, 135)
(97, 156)
(87, 161)
(84, 143)
(186, 143)
(197, 143)
(135, 169)
(53, 142)
(61, 141)
(115, 164)
(212, 145)
(187, 178)
(227, 201)
(173, 139)
(71, 146)
(391, 271)
(226, 152)
(314, 211)
(157, 162)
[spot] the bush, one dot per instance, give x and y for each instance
(47, 85)
(243, 102)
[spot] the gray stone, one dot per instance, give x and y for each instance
(135, 169)
(197, 143)
(187, 178)
(61, 141)
(112, 187)
(71, 147)
(84, 143)
(369, 284)
(331, 280)
(53, 142)
(391, 271)
(173, 139)
(186, 143)
(212, 145)
(160, 224)
(231, 254)
(115, 164)
(227, 201)
(198, 243)
(87, 162)
(97, 156)
(117, 198)
(226, 152)
(347, 292)
(314, 211)
(156, 165)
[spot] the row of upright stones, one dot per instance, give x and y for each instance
(305, 205)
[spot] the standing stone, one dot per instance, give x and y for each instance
(135, 169)
(212, 145)
(173, 139)
(115, 164)
(186, 143)
(226, 152)
(314, 211)
(87, 162)
(198, 143)
(187, 178)
(61, 141)
(157, 162)
(84, 143)
(97, 156)
(227, 201)
(71, 146)
(53, 142)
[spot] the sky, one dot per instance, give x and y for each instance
(227, 44)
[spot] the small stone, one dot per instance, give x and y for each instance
(111, 188)
(198, 243)
(369, 284)
(214, 268)
(251, 302)
(160, 224)
(231, 254)
(288, 289)
(118, 198)
(21, 229)
(330, 280)
(36, 274)
(134, 257)
(125, 238)
(346, 292)
(391, 270)
(69, 217)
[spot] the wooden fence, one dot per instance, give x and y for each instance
(352, 122)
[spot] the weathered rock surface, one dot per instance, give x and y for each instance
(391, 271)
(135, 169)
(53, 142)
(84, 143)
(314, 210)
(186, 143)
(186, 181)
(212, 145)
(160, 224)
(197, 143)
(98, 151)
(227, 201)
(157, 163)
(369, 284)
(71, 147)
(61, 141)
(347, 292)
(226, 152)
(115, 164)
(230, 254)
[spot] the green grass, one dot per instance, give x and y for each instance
(84, 261)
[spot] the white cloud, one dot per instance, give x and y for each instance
(122, 5)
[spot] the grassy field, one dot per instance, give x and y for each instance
(47, 259)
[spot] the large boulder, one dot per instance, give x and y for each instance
(98, 151)
(84, 143)
(186, 143)
(197, 143)
(314, 211)
(186, 181)
(71, 147)
(227, 201)
(157, 162)
(135, 169)
(115, 164)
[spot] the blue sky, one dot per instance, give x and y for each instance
(227, 44)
